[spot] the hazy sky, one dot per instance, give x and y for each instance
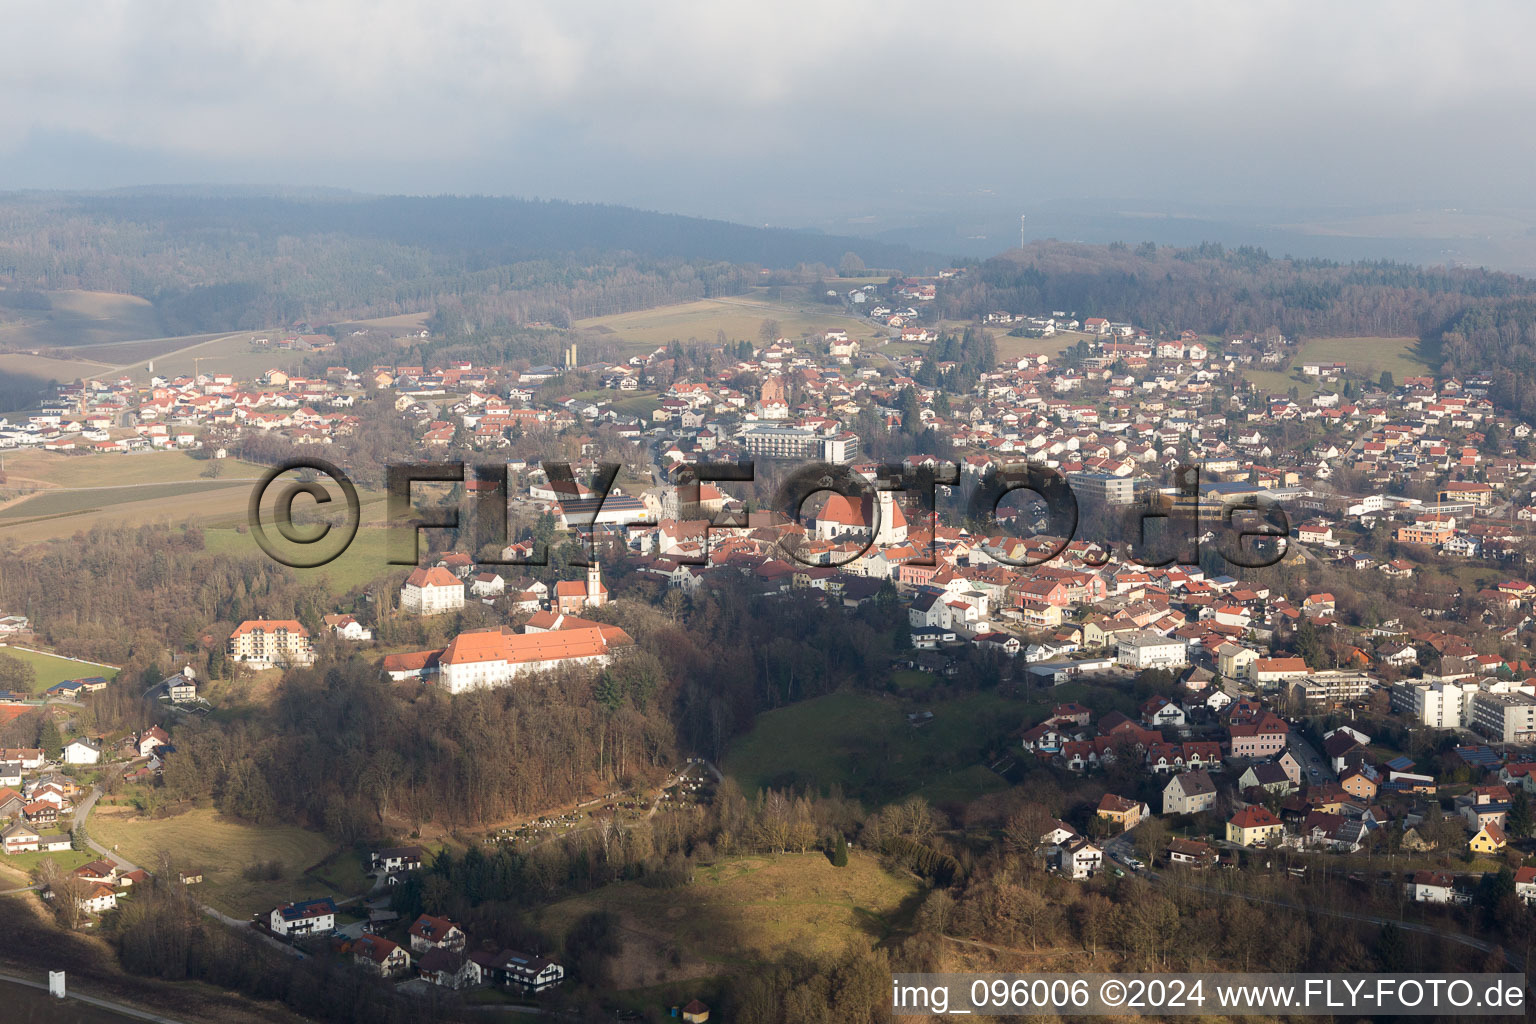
(786, 113)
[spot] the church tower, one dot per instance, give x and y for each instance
(597, 594)
(892, 522)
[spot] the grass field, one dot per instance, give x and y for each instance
(912, 679)
(82, 318)
(744, 912)
(51, 669)
(1009, 349)
(219, 353)
(221, 848)
(1366, 357)
(16, 868)
(740, 319)
(362, 562)
(865, 743)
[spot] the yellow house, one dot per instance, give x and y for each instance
(1093, 635)
(1041, 615)
(1489, 839)
(1121, 811)
(1232, 660)
(1254, 826)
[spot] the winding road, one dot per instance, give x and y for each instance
(83, 810)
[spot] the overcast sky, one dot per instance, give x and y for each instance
(788, 113)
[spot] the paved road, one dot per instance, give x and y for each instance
(106, 1004)
(1311, 758)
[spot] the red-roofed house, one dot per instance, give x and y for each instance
(1254, 826)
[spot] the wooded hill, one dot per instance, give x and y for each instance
(214, 260)
(1471, 321)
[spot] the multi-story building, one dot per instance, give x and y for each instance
(1145, 649)
(431, 592)
(1103, 488)
(1506, 717)
(266, 642)
(1268, 671)
(1332, 688)
(1437, 705)
(804, 444)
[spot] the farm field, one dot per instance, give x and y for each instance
(742, 912)
(223, 503)
(220, 847)
(70, 501)
(740, 319)
(52, 669)
(55, 469)
(401, 323)
(47, 368)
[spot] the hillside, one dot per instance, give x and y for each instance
(212, 260)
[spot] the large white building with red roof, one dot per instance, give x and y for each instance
(495, 657)
(269, 642)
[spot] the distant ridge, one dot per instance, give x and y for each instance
(497, 229)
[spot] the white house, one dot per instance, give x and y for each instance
(1432, 887)
(99, 900)
(1078, 858)
(79, 751)
(182, 687)
(379, 955)
(487, 584)
(309, 917)
(348, 628)
(404, 858)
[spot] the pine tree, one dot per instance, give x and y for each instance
(1520, 817)
(840, 852)
(50, 740)
(78, 839)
